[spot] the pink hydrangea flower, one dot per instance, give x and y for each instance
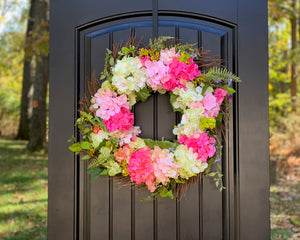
(164, 167)
(122, 121)
(167, 55)
(157, 73)
(211, 106)
(201, 144)
(196, 105)
(220, 94)
(108, 103)
(181, 73)
(140, 168)
(144, 60)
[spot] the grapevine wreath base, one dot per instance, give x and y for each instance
(111, 144)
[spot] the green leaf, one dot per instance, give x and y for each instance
(104, 172)
(86, 145)
(72, 139)
(111, 61)
(204, 88)
(143, 94)
(166, 193)
(173, 98)
(75, 147)
(219, 119)
(230, 90)
(211, 174)
(162, 144)
(95, 177)
(101, 123)
(179, 181)
(124, 50)
(97, 172)
(94, 170)
(86, 157)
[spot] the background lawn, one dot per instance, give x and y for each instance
(23, 192)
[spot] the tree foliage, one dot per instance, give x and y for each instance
(11, 63)
(284, 46)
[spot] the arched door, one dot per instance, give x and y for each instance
(81, 209)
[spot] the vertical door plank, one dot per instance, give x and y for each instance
(166, 118)
(99, 209)
(98, 212)
(121, 195)
(212, 198)
(190, 214)
(143, 117)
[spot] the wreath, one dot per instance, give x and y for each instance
(110, 142)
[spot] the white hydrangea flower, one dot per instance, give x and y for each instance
(129, 75)
(137, 143)
(190, 122)
(188, 162)
(187, 96)
(126, 136)
(98, 138)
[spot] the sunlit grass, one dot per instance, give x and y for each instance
(23, 192)
(285, 203)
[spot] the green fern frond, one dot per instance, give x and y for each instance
(96, 162)
(221, 74)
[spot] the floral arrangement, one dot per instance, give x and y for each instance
(109, 140)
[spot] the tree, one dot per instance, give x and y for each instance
(284, 18)
(28, 76)
(37, 126)
(293, 20)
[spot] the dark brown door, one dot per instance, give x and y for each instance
(235, 31)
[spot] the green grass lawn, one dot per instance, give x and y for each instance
(285, 210)
(23, 192)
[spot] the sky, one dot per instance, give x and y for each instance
(10, 12)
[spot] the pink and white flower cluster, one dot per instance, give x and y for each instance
(112, 103)
(152, 167)
(168, 72)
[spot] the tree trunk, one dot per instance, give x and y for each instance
(293, 20)
(37, 131)
(28, 75)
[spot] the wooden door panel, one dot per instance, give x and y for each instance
(121, 211)
(102, 209)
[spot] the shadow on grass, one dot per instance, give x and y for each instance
(22, 202)
(29, 225)
(23, 192)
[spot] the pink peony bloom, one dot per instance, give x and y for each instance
(121, 121)
(201, 144)
(220, 94)
(107, 103)
(141, 169)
